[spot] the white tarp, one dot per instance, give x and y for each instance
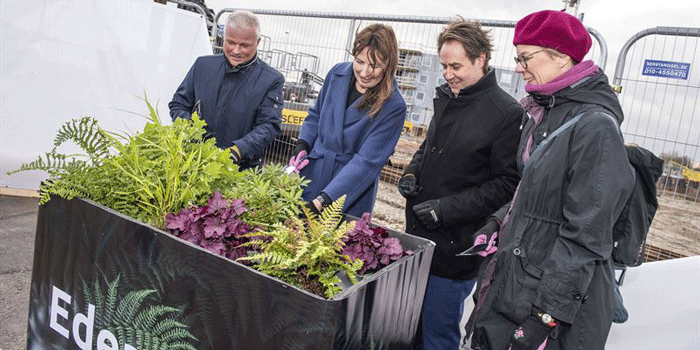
(663, 301)
(65, 59)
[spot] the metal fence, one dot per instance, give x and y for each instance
(659, 92)
(305, 45)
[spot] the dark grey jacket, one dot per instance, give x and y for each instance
(554, 251)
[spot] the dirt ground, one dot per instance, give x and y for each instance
(676, 226)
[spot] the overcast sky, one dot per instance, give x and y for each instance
(616, 20)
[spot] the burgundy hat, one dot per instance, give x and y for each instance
(556, 30)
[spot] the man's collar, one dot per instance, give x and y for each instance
(240, 67)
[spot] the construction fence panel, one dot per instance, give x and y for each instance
(659, 82)
(305, 45)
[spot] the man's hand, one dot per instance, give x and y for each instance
(235, 154)
(407, 186)
(428, 213)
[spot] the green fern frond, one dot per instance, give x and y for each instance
(86, 291)
(50, 162)
(181, 345)
(152, 327)
(111, 301)
(99, 300)
(308, 248)
(177, 334)
(147, 318)
(166, 325)
(130, 304)
(87, 134)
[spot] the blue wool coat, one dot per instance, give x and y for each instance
(348, 149)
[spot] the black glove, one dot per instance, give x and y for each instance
(325, 201)
(529, 335)
(301, 146)
(407, 186)
(428, 213)
(312, 207)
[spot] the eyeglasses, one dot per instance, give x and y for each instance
(522, 60)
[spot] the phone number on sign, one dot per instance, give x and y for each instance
(666, 72)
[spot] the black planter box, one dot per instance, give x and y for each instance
(104, 276)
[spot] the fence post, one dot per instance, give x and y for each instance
(670, 31)
(349, 41)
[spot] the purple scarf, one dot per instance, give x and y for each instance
(576, 73)
(536, 112)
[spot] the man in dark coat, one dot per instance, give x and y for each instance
(238, 95)
(463, 172)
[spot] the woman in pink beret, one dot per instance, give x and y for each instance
(549, 284)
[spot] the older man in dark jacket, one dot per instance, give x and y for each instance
(237, 94)
(463, 172)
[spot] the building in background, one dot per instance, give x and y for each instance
(418, 73)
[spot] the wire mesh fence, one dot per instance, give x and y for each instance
(659, 95)
(305, 45)
(660, 99)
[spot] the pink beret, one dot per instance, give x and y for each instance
(554, 30)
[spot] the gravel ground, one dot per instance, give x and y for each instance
(389, 208)
(676, 226)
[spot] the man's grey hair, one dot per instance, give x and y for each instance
(244, 20)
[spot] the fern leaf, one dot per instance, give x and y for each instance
(111, 301)
(181, 345)
(178, 334)
(130, 304)
(51, 162)
(166, 325)
(147, 318)
(86, 133)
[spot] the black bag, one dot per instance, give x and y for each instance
(631, 228)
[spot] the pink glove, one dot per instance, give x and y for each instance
(298, 162)
(491, 247)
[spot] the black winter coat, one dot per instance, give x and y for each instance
(554, 252)
(467, 161)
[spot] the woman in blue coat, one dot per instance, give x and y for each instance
(352, 129)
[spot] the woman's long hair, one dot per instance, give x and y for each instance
(382, 46)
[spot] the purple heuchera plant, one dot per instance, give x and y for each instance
(372, 245)
(216, 226)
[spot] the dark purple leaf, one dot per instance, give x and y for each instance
(238, 206)
(177, 222)
(217, 202)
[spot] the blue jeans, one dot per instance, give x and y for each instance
(442, 312)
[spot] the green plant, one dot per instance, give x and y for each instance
(145, 176)
(73, 175)
(166, 168)
(131, 322)
(271, 195)
(307, 253)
